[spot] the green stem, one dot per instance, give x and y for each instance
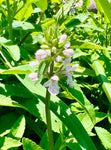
(48, 120)
(48, 115)
(9, 20)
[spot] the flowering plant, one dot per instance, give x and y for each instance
(54, 50)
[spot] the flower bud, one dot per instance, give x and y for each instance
(68, 52)
(44, 46)
(63, 38)
(33, 76)
(40, 54)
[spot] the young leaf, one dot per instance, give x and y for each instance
(104, 136)
(30, 145)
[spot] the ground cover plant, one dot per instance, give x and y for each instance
(55, 66)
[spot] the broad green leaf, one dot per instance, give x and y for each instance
(18, 128)
(84, 71)
(44, 142)
(27, 26)
(7, 101)
(14, 71)
(77, 20)
(13, 50)
(106, 8)
(77, 94)
(42, 4)
(6, 122)
(91, 26)
(3, 40)
(15, 89)
(100, 116)
(99, 70)
(30, 145)
(84, 45)
(25, 11)
(7, 142)
(104, 136)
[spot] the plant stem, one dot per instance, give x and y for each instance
(48, 115)
(9, 20)
(48, 120)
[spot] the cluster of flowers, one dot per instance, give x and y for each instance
(64, 70)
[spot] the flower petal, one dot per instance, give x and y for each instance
(69, 80)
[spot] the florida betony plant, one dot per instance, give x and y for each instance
(54, 53)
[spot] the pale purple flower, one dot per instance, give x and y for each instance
(33, 63)
(63, 38)
(66, 61)
(68, 52)
(40, 54)
(52, 85)
(67, 45)
(66, 70)
(33, 76)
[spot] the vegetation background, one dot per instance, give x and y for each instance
(81, 116)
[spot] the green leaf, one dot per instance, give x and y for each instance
(24, 10)
(7, 101)
(7, 142)
(27, 26)
(64, 10)
(13, 50)
(104, 136)
(99, 70)
(30, 145)
(106, 8)
(6, 122)
(42, 4)
(77, 20)
(84, 45)
(18, 128)
(77, 94)
(14, 71)
(44, 142)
